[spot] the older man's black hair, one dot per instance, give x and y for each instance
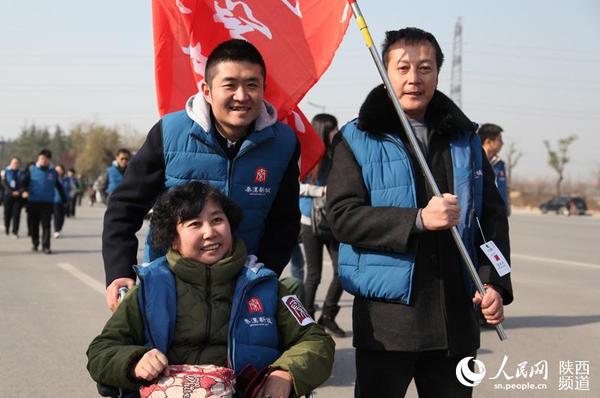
(234, 50)
(183, 203)
(411, 36)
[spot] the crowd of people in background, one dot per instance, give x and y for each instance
(49, 193)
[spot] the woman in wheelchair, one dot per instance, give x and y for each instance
(208, 302)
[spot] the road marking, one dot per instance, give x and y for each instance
(553, 260)
(83, 277)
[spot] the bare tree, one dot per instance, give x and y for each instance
(513, 157)
(558, 159)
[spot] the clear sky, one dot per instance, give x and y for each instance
(529, 66)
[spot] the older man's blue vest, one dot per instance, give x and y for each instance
(389, 178)
(251, 179)
(42, 184)
(253, 336)
(114, 178)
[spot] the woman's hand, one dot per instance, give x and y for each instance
(152, 364)
(277, 385)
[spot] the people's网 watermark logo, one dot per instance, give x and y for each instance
(468, 377)
(574, 375)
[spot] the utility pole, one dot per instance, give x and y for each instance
(456, 76)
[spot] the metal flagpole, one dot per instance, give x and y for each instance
(362, 25)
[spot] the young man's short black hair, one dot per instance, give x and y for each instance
(411, 36)
(46, 152)
(123, 150)
(183, 203)
(489, 131)
(235, 50)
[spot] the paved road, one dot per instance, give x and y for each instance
(51, 306)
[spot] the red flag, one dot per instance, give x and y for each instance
(296, 38)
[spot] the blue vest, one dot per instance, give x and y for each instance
(42, 184)
(248, 342)
(114, 176)
(65, 182)
(14, 178)
(305, 202)
(389, 178)
(251, 179)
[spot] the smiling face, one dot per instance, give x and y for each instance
(206, 238)
(413, 72)
(235, 94)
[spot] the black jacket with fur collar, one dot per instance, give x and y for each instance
(441, 315)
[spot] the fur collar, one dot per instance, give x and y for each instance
(377, 115)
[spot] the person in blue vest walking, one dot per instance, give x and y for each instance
(208, 302)
(414, 315)
(491, 140)
(40, 183)
(227, 136)
(14, 184)
(116, 171)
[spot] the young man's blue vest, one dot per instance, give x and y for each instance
(253, 337)
(114, 178)
(14, 178)
(42, 184)
(251, 179)
(389, 178)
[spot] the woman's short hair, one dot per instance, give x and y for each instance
(183, 203)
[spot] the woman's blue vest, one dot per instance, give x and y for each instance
(251, 179)
(305, 202)
(42, 184)
(253, 337)
(14, 178)
(389, 178)
(114, 176)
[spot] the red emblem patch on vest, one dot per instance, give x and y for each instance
(297, 309)
(261, 176)
(255, 306)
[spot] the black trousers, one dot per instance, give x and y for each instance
(313, 250)
(40, 213)
(72, 204)
(12, 212)
(59, 216)
(389, 373)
